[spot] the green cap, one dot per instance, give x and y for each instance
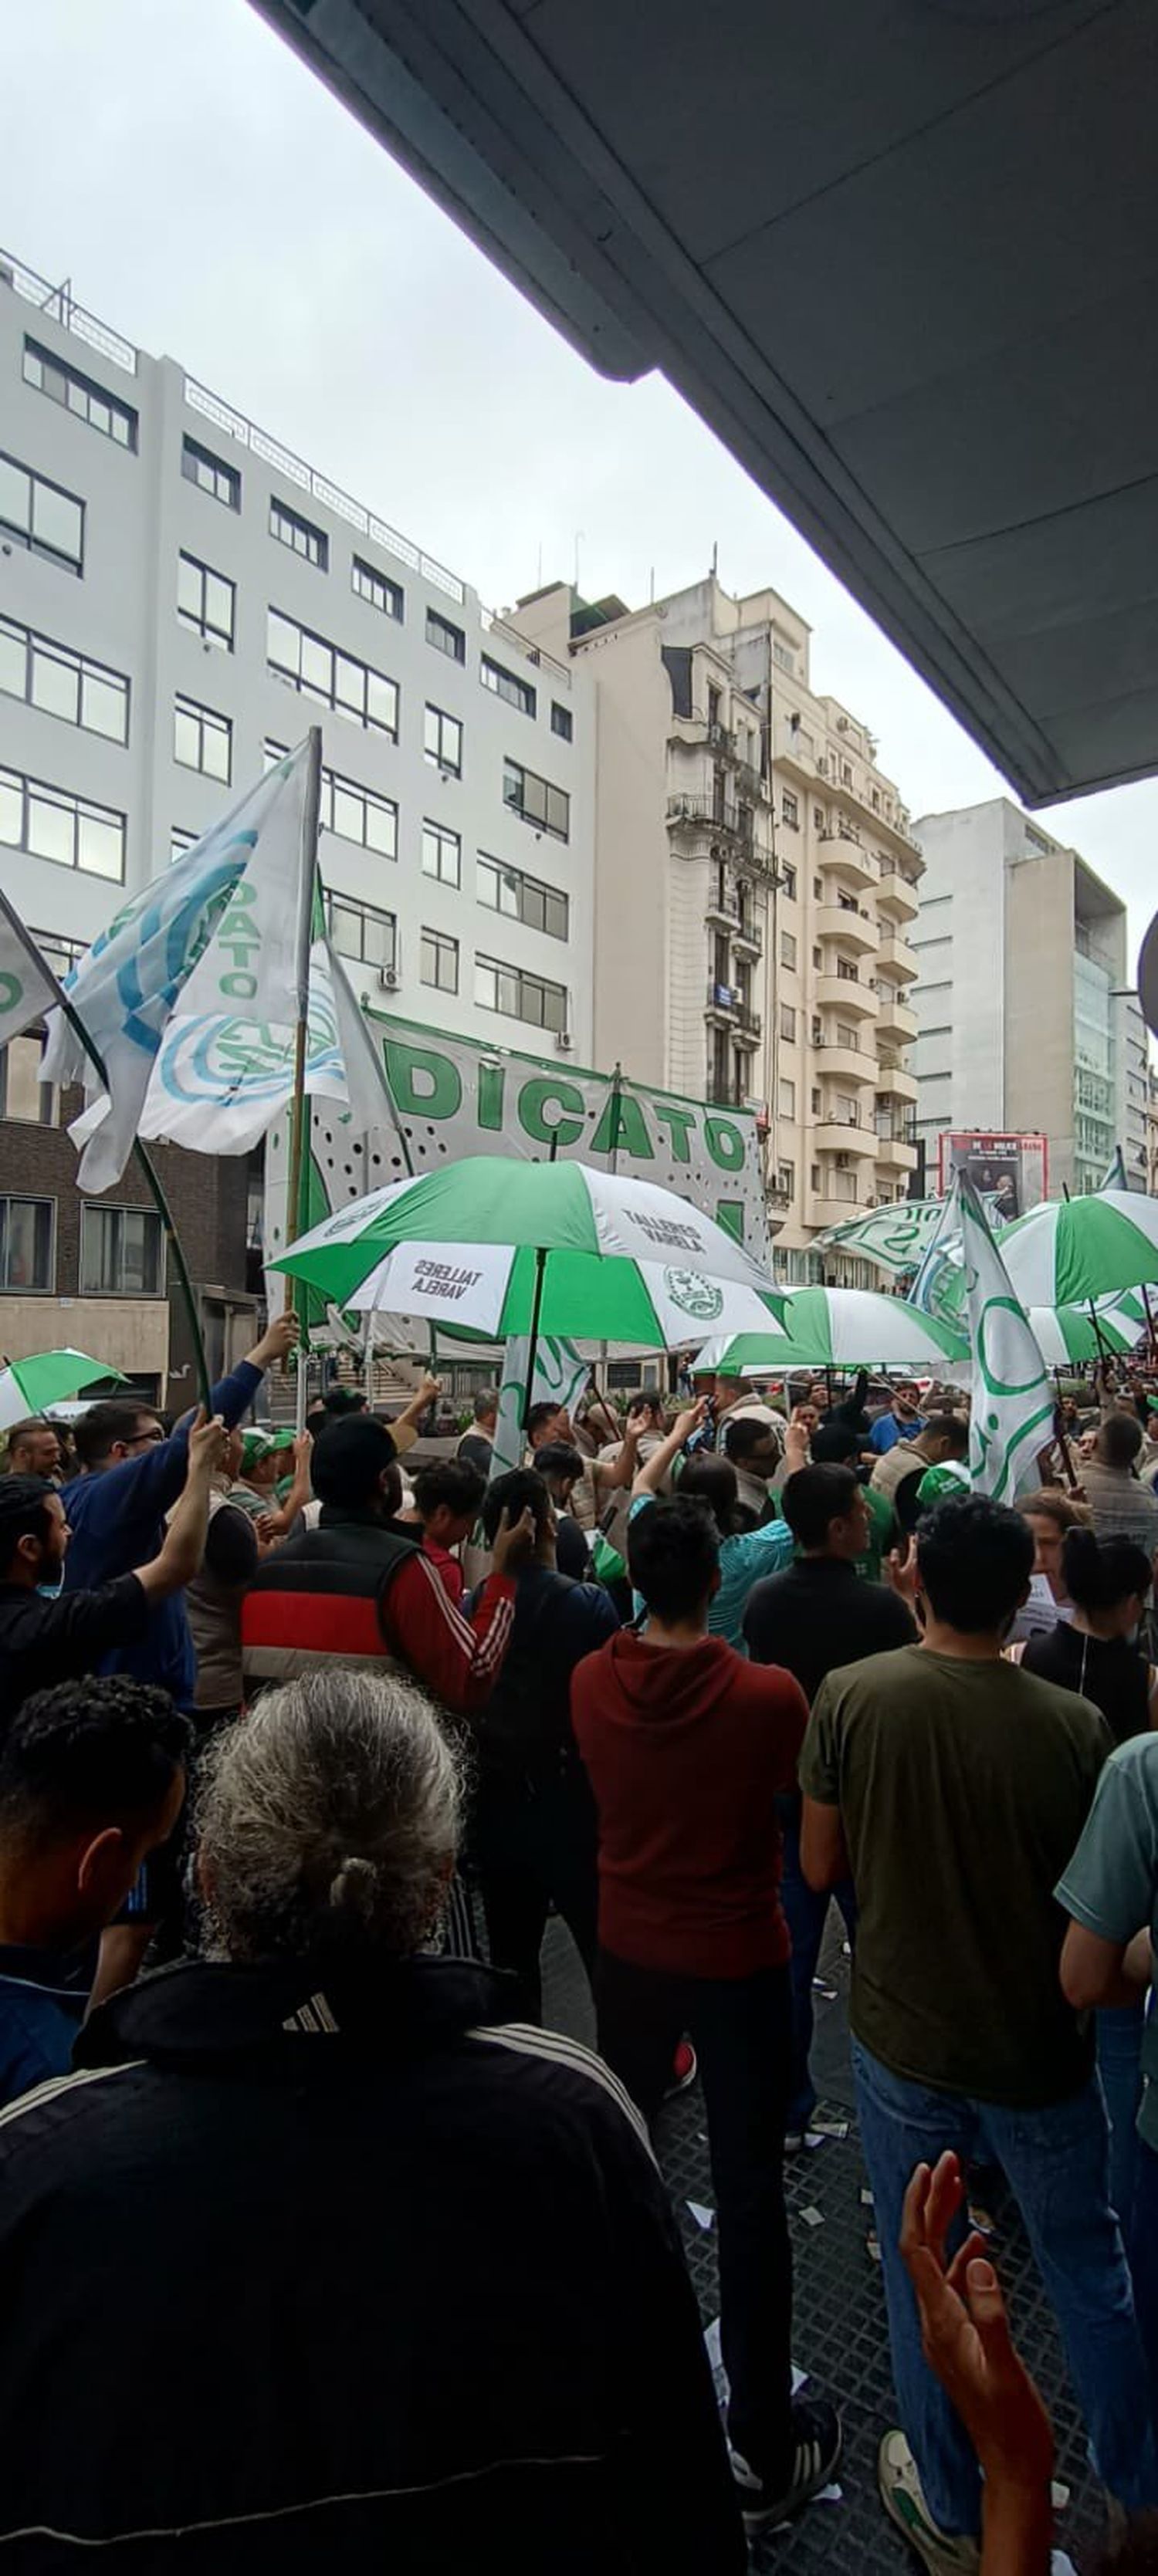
(941, 1483)
(255, 1445)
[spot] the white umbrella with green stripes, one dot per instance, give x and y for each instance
(1070, 1336)
(1069, 1250)
(841, 1328)
(26, 1386)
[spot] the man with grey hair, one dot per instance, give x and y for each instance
(406, 2276)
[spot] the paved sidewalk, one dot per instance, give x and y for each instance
(840, 2336)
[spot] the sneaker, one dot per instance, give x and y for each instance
(794, 2142)
(684, 2069)
(816, 2438)
(904, 2503)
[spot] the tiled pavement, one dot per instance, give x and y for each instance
(840, 2338)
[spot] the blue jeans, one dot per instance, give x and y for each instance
(1143, 2250)
(1056, 2162)
(1120, 2034)
(806, 1914)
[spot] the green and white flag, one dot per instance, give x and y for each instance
(560, 1377)
(26, 987)
(1011, 1399)
(895, 1237)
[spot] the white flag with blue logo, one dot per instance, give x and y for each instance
(1011, 1400)
(216, 933)
(26, 986)
(221, 1076)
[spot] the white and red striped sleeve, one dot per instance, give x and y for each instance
(456, 1658)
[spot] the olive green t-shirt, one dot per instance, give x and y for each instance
(963, 1788)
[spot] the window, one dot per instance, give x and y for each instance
(23, 1095)
(788, 884)
(786, 1179)
(561, 721)
(41, 516)
(375, 589)
(54, 825)
(520, 996)
(507, 684)
(784, 660)
(787, 948)
(815, 1102)
(534, 798)
(441, 854)
(299, 534)
(205, 601)
(121, 1252)
(79, 394)
(788, 1023)
(62, 682)
(713, 705)
(818, 889)
(786, 1099)
(27, 1227)
(359, 930)
(818, 956)
(354, 812)
(790, 811)
(179, 842)
(819, 817)
(59, 952)
(202, 740)
(445, 638)
(442, 741)
(438, 961)
(814, 1181)
(320, 671)
(200, 466)
(522, 898)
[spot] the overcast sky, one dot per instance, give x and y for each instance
(209, 198)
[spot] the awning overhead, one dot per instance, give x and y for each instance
(901, 254)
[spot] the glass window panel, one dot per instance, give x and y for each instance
(452, 742)
(51, 828)
(215, 757)
(188, 587)
(186, 739)
(11, 810)
(382, 829)
(317, 664)
(345, 928)
(33, 367)
(558, 811)
(348, 813)
(15, 495)
(104, 705)
(219, 603)
(13, 660)
(101, 845)
(27, 1243)
(382, 701)
(554, 1007)
(56, 521)
(379, 939)
(98, 1235)
(282, 642)
(55, 685)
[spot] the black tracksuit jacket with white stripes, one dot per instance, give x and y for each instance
(297, 2274)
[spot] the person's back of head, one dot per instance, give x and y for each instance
(339, 1401)
(1119, 1441)
(946, 1435)
(648, 1399)
(26, 1518)
(327, 1822)
(1104, 1575)
(449, 1492)
(673, 1558)
(486, 1405)
(115, 1425)
(833, 1444)
(349, 1464)
(521, 1491)
(92, 1777)
(819, 1503)
(975, 1559)
(560, 1466)
(712, 1480)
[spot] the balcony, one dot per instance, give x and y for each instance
(700, 817)
(792, 753)
(896, 954)
(824, 1208)
(748, 941)
(898, 898)
(848, 995)
(832, 1134)
(847, 860)
(846, 1063)
(722, 1004)
(748, 1025)
(847, 922)
(896, 1145)
(894, 1080)
(895, 1021)
(722, 916)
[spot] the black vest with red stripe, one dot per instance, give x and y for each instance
(315, 1601)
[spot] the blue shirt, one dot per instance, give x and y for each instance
(41, 2011)
(117, 1519)
(887, 1431)
(744, 1560)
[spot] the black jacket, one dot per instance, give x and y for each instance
(298, 2276)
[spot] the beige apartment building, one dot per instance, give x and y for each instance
(755, 879)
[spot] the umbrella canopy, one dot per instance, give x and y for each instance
(610, 1258)
(1067, 1334)
(1069, 1250)
(28, 1385)
(842, 1328)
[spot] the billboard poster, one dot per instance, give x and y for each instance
(1009, 1173)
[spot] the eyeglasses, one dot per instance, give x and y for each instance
(142, 1439)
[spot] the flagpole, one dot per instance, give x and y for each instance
(536, 1306)
(297, 1195)
(152, 1177)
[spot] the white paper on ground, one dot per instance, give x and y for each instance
(704, 2217)
(826, 2495)
(830, 2128)
(812, 2217)
(812, 2140)
(719, 2374)
(1060, 2565)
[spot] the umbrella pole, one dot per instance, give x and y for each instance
(297, 1194)
(1059, 1434)
(537, 1304)
(1150, 1322)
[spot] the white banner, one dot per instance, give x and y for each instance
(560, 1377)
(1011, 1400)
(25, 989)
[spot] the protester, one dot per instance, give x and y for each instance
(745, 1554)
(562, 1469)
(687, 1747)
(945, 1437)
(533, 1818)
(476, 1446)
(214, 1594)
(753, 1448)
(470, 2338)
(1095, 1651)
(816, 1616)
(836, 1444)
(447, 1496)
(954, 1785)
(1048, 1514)
(1121, 1506)
(257, 1472)
(92, 1777)
(33, 1449)
(359, 1587)
(132, 1476)
(49, 1636)
(903, 1421)
(290, 1495)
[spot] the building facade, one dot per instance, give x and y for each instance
(756, 875)
(180, 598)
(1027, 1022)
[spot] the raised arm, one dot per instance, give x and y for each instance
(649, 1478)
(404, 1428)
(277, 1524)
(184, 1545)
(149, 1485)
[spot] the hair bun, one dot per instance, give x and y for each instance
(354, 1887)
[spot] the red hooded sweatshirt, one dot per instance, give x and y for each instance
(686, 1749)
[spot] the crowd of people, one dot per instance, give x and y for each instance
(298, 1756)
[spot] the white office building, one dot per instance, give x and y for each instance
(180, 597)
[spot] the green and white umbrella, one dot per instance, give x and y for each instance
(841, 1328)
(1069, 1336)
(28, 1385)
(508, 1247)
(1069, 1250)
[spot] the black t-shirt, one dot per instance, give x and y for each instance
(43, 1641)
(572, 1554)
(476, 1449)
(1107, 1670)
(819, 1615)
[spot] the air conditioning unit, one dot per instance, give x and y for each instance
(564, 1041)
(389, 978)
